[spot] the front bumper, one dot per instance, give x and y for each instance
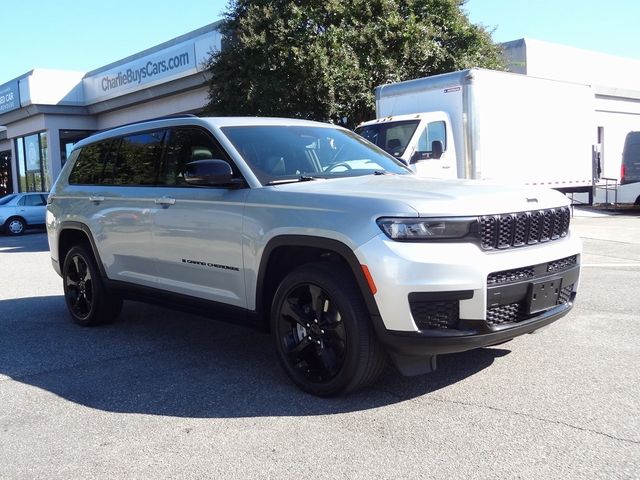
(427, 343)
(477, 298)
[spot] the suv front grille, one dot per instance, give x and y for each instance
(562, 264)
(531, 271)
(517, 312)
(524, 228)
(508, 276)
(513, 312)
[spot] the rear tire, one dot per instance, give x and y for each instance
(15, 226)
(88, 300)
(323, 333)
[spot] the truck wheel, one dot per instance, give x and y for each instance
(87, 298)
(323, 333)
(15, 226)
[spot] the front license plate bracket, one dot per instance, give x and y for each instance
(544, 295)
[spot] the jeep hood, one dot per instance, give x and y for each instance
(435, 197)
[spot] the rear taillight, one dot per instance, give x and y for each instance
(622, 173)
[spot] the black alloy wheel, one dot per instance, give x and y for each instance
(87, 299)
(312, 333)
(322, 331)
(79, 286)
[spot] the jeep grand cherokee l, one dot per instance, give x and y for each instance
(312, 233)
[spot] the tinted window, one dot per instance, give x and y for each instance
(138, 159)
(109, 159)
(89, 167)
(280, 152)
(187, 145)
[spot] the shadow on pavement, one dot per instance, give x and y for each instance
(161, 362)
(31, 241)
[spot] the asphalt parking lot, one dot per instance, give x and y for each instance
(161, 394)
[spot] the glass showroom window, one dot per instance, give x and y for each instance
(68, 138)
(33, 163)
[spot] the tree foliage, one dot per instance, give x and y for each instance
(322, 59)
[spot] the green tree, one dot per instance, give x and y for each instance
(322, 59)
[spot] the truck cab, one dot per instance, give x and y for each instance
(424, 141)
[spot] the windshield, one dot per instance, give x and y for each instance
(6, 199)
(392, 137)
(277, 153)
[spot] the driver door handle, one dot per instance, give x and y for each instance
(165, 201)
(96, 199)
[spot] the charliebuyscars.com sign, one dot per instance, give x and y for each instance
(9, 97)
(141, 72)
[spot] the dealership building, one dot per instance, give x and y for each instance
(43, 113)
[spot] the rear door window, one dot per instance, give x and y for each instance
(138, 159)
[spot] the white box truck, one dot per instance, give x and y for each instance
(490, 125)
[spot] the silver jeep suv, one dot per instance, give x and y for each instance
(312, 233)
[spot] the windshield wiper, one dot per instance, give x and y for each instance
(301, 178)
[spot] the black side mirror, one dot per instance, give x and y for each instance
(436, 149)
(211, 173)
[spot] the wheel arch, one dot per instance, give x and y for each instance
(77, 233)
(285, 252)
(11, 217)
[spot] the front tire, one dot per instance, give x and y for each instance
(323, 333)
(88, 300)
(15, 226)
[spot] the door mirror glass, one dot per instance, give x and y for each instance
(436, 149)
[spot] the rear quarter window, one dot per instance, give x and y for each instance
(87, 170)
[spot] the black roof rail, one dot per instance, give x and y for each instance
(164, 117)
(174, 115)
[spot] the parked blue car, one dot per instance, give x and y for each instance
(21, 210)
